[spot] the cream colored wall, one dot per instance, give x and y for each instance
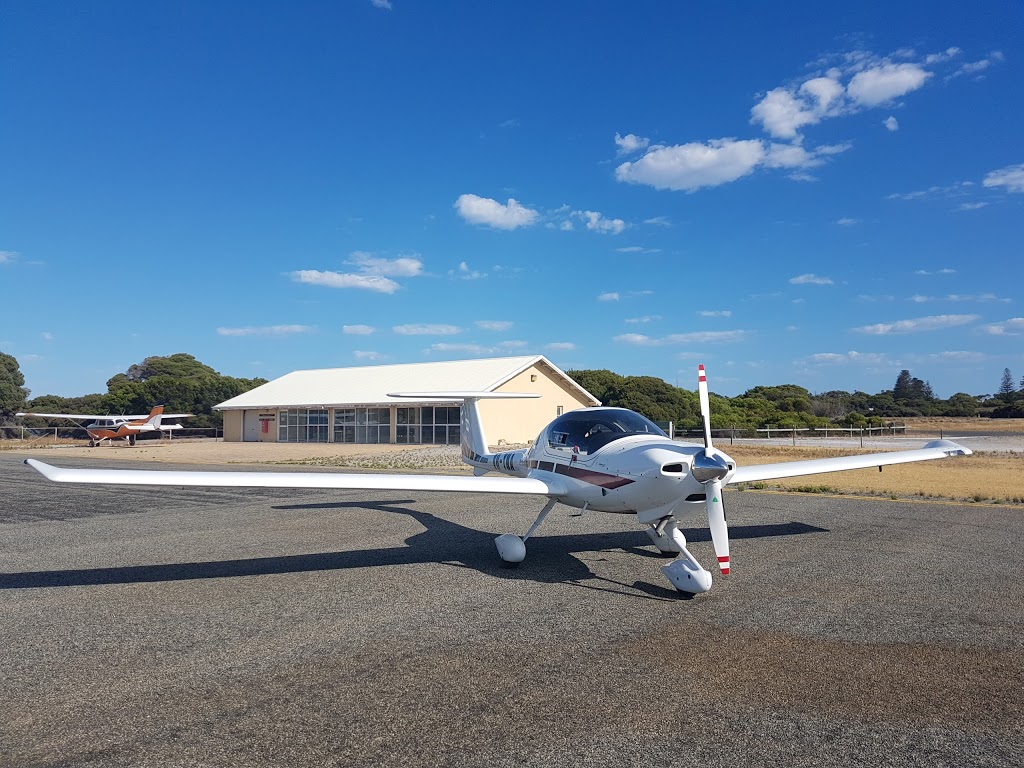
(520, 421)
(233, 426)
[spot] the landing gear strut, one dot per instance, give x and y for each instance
(512, 548)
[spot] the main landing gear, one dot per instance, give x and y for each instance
(684, 573)
(512, 548)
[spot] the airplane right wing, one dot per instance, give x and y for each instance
(341, 480)
(936, 449)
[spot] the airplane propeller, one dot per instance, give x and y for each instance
(710, 469)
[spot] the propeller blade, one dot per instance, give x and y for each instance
(717, 524)
(705, 407)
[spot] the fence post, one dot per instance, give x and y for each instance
(862, 437)
(732, 435)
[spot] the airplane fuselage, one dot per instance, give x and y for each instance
(643, 471)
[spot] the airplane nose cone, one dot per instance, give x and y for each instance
(708, 467)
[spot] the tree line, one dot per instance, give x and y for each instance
(790, 405)
(179, 382)
(183, 384)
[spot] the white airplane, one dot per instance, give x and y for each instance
(124, 428)
(601, 459)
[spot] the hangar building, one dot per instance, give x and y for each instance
(351, 405)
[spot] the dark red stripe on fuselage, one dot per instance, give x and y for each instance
(601, 479)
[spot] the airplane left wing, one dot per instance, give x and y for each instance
(936, 449)
(383, 482)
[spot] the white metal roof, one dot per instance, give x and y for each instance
(370, 384)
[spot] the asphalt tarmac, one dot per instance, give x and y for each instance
(174, 627)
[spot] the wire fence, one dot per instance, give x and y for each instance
(43, 435)
(768, 432)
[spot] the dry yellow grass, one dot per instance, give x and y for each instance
(952, 424)
(985, 476)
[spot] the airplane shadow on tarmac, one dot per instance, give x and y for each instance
(549, 560)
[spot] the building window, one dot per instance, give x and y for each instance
(429, 425)
(362, 425)
(302, 425)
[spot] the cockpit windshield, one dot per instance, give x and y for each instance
(585, 431)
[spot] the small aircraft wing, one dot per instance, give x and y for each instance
(80, 416)
(382, 482)
(936, 449)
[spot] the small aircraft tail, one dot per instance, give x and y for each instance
(471, 431)
(155, 417)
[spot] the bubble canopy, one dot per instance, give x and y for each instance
(589, 429)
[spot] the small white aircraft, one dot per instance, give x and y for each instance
(601, 459)
(124, 428)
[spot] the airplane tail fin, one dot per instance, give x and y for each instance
(155, 416)
(471, 431)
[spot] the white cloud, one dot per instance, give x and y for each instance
(8, 257)
(463, 272)
(475, 349)
(810, 279)
(47, 336)
(596, 222)
(491, 213)
(891, 123)
(637, 249)
(608, 297)
(970, 206)
(917, 325)
(958, 189)
(783, 112)
(847, 221)
(1011, 177)
(267, 330)
(426, 329)
(715, 313)
(977, 67)
(658, 221)
(361, 354)
(385, 4)
(886, 82)
(513, 344)
(1012, 327)
(644, 319)
(566, 226)
(630, 143)
(345, 280)
(358, 330)
(494, 325)
(373, 273)
(851, 358)
(943, 271)
(560, 346)
(979, 297)
(696, 337)
(953, 356)
(692, 166)
(368, 264)
(946, 55)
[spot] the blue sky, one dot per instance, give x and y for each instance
(819, 196)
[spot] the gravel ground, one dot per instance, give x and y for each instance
(190, 627)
